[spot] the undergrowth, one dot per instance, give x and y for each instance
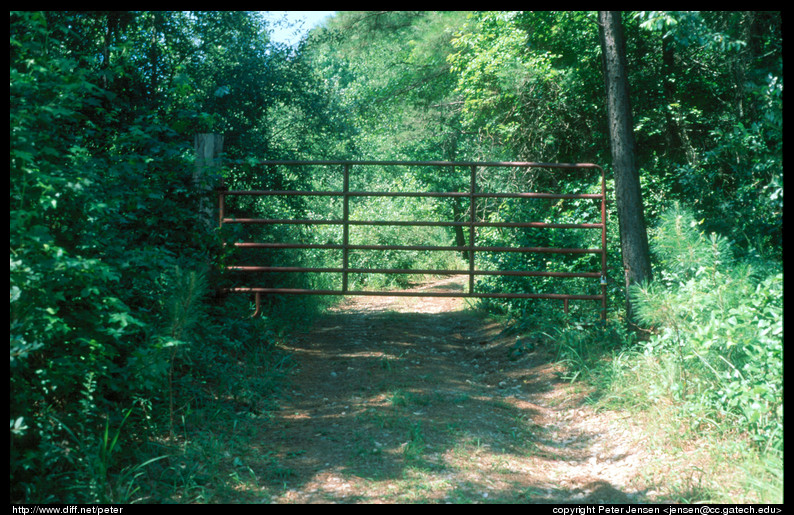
(711, 371)
(204, 365)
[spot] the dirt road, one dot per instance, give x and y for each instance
(408, 400)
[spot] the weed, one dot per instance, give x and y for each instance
(415, 446)
(764, 477)
(399, 398)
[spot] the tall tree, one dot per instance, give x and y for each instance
(633, 233)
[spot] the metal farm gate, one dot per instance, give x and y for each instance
(473, 195)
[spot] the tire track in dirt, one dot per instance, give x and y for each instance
(407, 399)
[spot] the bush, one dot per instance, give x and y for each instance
(721, 321)
(99, 219)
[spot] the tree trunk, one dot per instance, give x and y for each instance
(671, 138)
(459, 215)
(633, 234)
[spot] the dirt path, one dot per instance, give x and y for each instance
(401, 400)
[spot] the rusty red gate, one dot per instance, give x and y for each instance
(473, 196)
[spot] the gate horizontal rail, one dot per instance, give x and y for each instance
(278, 221)
(418, 293)
(418, 271)
(461, 248)
(471, 249)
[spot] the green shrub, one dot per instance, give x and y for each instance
(721, 321)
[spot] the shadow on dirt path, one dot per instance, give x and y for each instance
(406, 400)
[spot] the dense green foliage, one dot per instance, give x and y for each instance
(115, 335)
(110, 271)
(706, 92)
(720, 320)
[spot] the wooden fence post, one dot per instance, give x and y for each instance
(209, 147)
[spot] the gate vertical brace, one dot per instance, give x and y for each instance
(221, 205)
(472, 221)
(345, 224)
(603, 245)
